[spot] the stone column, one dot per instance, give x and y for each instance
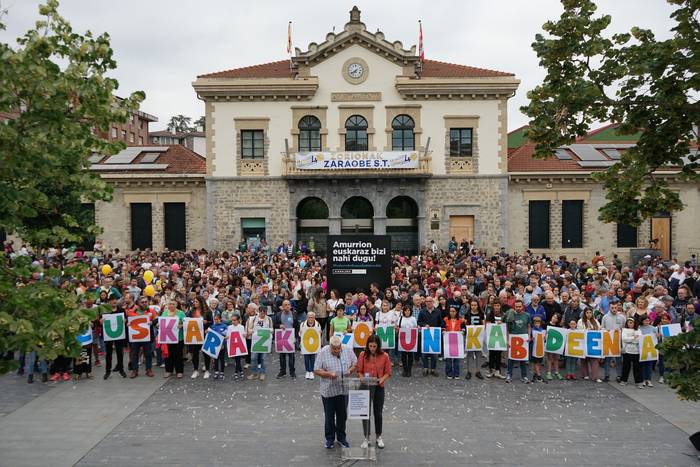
(292, 230)
(334, 225)
(379, 225)
(421, 231)
(158, 226)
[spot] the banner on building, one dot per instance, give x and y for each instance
(356, 261)
(364, 160)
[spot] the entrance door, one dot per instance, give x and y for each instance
(141, 227)
(661, 235)
(175, 226)
(462, 228)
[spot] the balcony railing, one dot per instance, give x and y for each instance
(292, 169)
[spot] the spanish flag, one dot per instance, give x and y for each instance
(289, 38)
(421, 55)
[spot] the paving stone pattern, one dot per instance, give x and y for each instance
(427, 421)
(16, 392)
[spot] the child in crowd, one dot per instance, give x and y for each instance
(630, 353)
(220, 328)
(552, 359)
(536, 361)
(664, 319)
(83, 363)
(238, 361)
(475, 317)
(407, 321)
(646, 328)
(310, 359)
(589, 365)
(452, 323)
(495, 316)
(571, 361)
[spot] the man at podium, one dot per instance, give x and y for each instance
(334, 364)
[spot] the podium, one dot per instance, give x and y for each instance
(356, 452)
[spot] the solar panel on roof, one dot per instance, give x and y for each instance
(613, 154)
(562, 154)
(149, 157)
(122, 167)
(589, 164)
(126, 156)
(587, 152)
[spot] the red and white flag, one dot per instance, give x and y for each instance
(289, 38)
(421, 55)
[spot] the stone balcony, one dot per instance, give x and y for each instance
(291, 167)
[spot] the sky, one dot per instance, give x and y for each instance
(162, 45)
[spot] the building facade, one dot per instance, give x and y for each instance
(281, 138)
(192, 140)
(158, 199)
(553, 204)
(134, 132)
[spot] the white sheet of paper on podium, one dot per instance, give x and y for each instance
(358, 404)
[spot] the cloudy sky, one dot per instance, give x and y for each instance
(162, 45)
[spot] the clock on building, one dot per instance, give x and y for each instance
(355, 70)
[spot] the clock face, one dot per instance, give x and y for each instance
(355, 70)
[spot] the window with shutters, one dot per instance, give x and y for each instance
(141, 226)
(538, 230)
(402, 137)
(460, 142)
(309, 134)
(626, 236)
(572, 224)
(356, 138)
(252, 144)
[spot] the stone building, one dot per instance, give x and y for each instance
(192, 140)
(357, 134)
(553, 204)
(133, 132)
(159, 199)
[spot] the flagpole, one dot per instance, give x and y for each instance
(289, 45)
(421, 55)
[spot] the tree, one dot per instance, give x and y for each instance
(180, 123)
(683, 352)
(201, 122)
(54, 84)
(631, 79)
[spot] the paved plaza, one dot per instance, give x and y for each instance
(428, 421)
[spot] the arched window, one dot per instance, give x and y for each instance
(356, 134)
(402, 138)
(309, 134)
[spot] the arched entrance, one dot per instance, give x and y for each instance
(312, 222)
(402, 224)
(357, 216)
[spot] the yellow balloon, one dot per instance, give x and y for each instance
(106, 269)
(148, 276)
(149, 291)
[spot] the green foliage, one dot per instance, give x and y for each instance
(180, 123)
(55, 82)
(631, 79)
(683, 352)
(54, 86)
(38, 315)
(201, 122)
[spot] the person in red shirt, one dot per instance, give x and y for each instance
(452, 323)
(135, 347)
(374, 363)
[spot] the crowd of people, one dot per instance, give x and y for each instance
(285, 287)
